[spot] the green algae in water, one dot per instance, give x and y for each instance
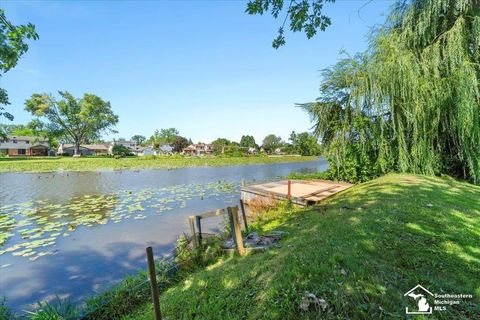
(27, 227)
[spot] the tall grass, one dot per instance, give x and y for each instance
(165, 162)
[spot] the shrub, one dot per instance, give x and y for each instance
(58, 309)
(119, 150)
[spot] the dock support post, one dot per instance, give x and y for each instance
(153, 284)
(236, 231)
(244, 215)
(191, 221)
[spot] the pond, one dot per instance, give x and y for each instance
(73, 234)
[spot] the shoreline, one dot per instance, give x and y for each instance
(99, 164)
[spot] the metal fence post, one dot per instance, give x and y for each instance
(153, 284)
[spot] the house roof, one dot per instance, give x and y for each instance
(93, 147)
(24, 138)
(39, 146)
(190, 148)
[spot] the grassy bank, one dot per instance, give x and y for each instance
(90, 163)
(360, 251)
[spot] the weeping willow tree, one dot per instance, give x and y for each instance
(411, 102)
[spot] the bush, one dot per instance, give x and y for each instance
(59, 309)
(122, 151)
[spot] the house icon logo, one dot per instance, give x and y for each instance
(419, 294)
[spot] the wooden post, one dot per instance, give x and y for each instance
(153, 284)
(191, 221)
(199, 228)
(233, 213)
(244, 215)
(289, 193)
(232, 225)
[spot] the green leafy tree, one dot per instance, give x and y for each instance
(139, 139)
(179, 143)
(14, 129)
(305, 144)
(121, 150)
(304, 16)
(272, 142)
(76, 120)
(163, 136)
(220, 144)
(12, 46)
(248, 142)
(411, 102)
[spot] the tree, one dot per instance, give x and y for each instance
(411, 102)
(76, 120)
(305, 144)
(271, 142)
(304, 15)
(139, 139)
(12, 46)
(121, 150)
(219, 145)
(179, 143)
(163, 136)
(14, 129)
(248, 142)
(293, 137)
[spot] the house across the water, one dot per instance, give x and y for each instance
(147, 151)
(24, 146)
(163, 149)
(198, 149)
(85, 149)
(132, 145)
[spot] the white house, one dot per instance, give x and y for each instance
(165, 149)
(147, 151)
(132, 145)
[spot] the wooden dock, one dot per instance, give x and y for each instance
(302, 192)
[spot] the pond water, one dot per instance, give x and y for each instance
(72, 234)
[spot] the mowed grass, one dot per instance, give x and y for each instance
(49, 164)
(360, 251)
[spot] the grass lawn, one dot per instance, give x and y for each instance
(360, 251)
(49, 164)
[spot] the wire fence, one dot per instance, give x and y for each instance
(113, 303)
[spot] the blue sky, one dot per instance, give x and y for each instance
(203, 67)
